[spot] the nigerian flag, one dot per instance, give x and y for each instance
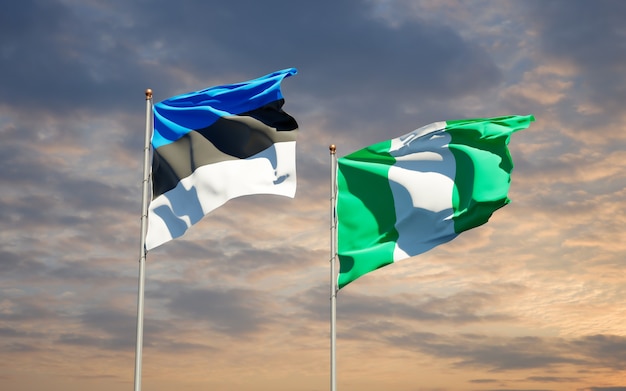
(404, 196)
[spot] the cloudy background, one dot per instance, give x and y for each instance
(534, 300)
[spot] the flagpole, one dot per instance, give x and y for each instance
(333, 273)
(142, 240)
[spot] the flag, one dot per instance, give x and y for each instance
(402, 197)
(216, 144)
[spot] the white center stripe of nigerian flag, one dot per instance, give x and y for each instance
(422, 179)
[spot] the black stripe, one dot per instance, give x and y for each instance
(229, 138)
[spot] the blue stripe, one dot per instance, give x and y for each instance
(179, 115)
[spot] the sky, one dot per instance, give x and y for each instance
(533, 300)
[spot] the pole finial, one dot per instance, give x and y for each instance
(148, 93)
(332, 148)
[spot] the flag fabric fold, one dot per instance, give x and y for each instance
(217, 144)
(404, 196)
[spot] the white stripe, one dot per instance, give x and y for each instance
(422, 181)
(272, 171)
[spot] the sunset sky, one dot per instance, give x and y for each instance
(533, 300)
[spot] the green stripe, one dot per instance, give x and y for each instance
(484, 167)
(365, 212)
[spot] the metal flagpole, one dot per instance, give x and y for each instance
(142, 240)
(333, 273)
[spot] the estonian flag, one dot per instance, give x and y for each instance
(217, 144)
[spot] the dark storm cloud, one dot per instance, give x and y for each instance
(367, 313)
(190, 251)
(40, 190)
(27, 309)
(517, 389)
(54, 58)
(482, 351)
(88, 57)
(247, 257)
(10, 262)
(518, 353)
(30, 265)
(231, 311)
(484, 381)
(552, 379)
(591, 35)
(610, 350)
(340, 43)
(8, 332)
(20, 162)
(39, 304)
(465, 307)
(313, 303)
(237, 255)
(347, 57)
(83, 271)
(75, 213)
(24, 265)
(84, 340)
(114, 329)
(17, 347)
(105, 328)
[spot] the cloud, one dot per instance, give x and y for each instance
(460, 308)
(232, 311)
(79, 58)
(507, 354)
(589, 37)
(605, 389)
